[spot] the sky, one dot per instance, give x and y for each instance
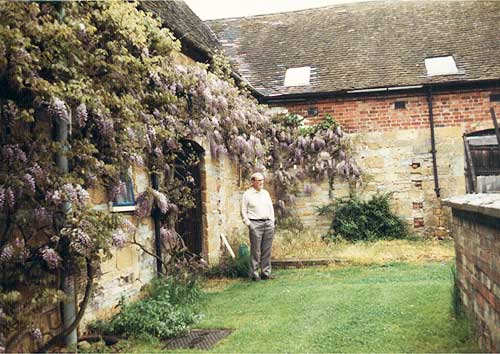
(215, 9)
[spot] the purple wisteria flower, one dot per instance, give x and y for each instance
(7, 253)
(81, 115)
(119, 238)
(80, 241)
(167, 235)
(144, 205)
(36, 334)
(11, 198)
(13, 153)
(59, 110)
(37, 172)
(29, 182)
(50, 256)
(161, 201)
(128, 226)
(105, 126)
(55, 197)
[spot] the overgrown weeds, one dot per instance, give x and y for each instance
(354, 219)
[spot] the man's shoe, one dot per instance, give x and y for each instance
(266, 277)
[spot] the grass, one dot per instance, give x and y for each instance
(378, 308)
(365, 253)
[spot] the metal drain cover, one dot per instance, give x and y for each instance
(198, 339)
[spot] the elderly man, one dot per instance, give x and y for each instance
(258, 214)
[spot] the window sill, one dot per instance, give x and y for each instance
(121, 208)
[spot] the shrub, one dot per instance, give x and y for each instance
(167, 310)
(232, 267)
(357, 220)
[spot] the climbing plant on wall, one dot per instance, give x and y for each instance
(106, 70)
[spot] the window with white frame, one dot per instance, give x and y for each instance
(298, 76)
(441, 66)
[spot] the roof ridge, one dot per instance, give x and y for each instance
(346, 4)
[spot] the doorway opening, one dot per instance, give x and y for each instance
(189, 224)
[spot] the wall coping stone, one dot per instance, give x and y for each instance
(483, 203)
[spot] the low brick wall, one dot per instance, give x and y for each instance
(476, 230)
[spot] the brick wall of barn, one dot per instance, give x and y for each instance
(393, 145)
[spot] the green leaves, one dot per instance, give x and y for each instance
(356, 220)
(166, 311)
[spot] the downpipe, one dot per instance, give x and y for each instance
(433, 142)
(69, 306)
(156, 218)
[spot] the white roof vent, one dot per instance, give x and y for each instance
(441, 66)
(298, 76)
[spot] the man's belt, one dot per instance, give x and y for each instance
(259, 219)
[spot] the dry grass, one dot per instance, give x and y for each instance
(363, 253)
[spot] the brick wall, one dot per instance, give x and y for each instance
(370, 114)
(476, 230)
(393, 147)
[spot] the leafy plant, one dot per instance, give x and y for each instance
(355, 219)
(229, 267)
(167, 310)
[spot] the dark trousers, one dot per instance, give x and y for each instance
(261, 241)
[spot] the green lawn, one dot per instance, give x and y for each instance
(391, 308)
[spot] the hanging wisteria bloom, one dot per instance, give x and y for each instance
(161, 201)
(80, 240)
(119, 238)
(50, 256)
(36, 334)
(11, 198)
(59, 110)
(7, 253)
(144, 205)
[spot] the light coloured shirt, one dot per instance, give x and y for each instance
(256, 205)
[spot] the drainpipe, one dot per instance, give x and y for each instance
(69, 306)
(433, 142)
(156, 218)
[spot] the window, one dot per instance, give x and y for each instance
(298, 76)
(441, 66)
(125, 200)
(400, 105)
(495, 97)
(312, 111)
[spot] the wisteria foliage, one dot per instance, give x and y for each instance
(108, 70)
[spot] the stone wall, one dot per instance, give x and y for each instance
(393, 147)
(129, 268)
(476, 230)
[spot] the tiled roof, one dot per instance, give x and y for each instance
(364, 45)
(184, 23)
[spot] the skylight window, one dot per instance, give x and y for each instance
(441, 66)
(298, 76)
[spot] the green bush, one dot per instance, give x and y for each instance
(167, 310)
(232, 267)
(358, 220)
